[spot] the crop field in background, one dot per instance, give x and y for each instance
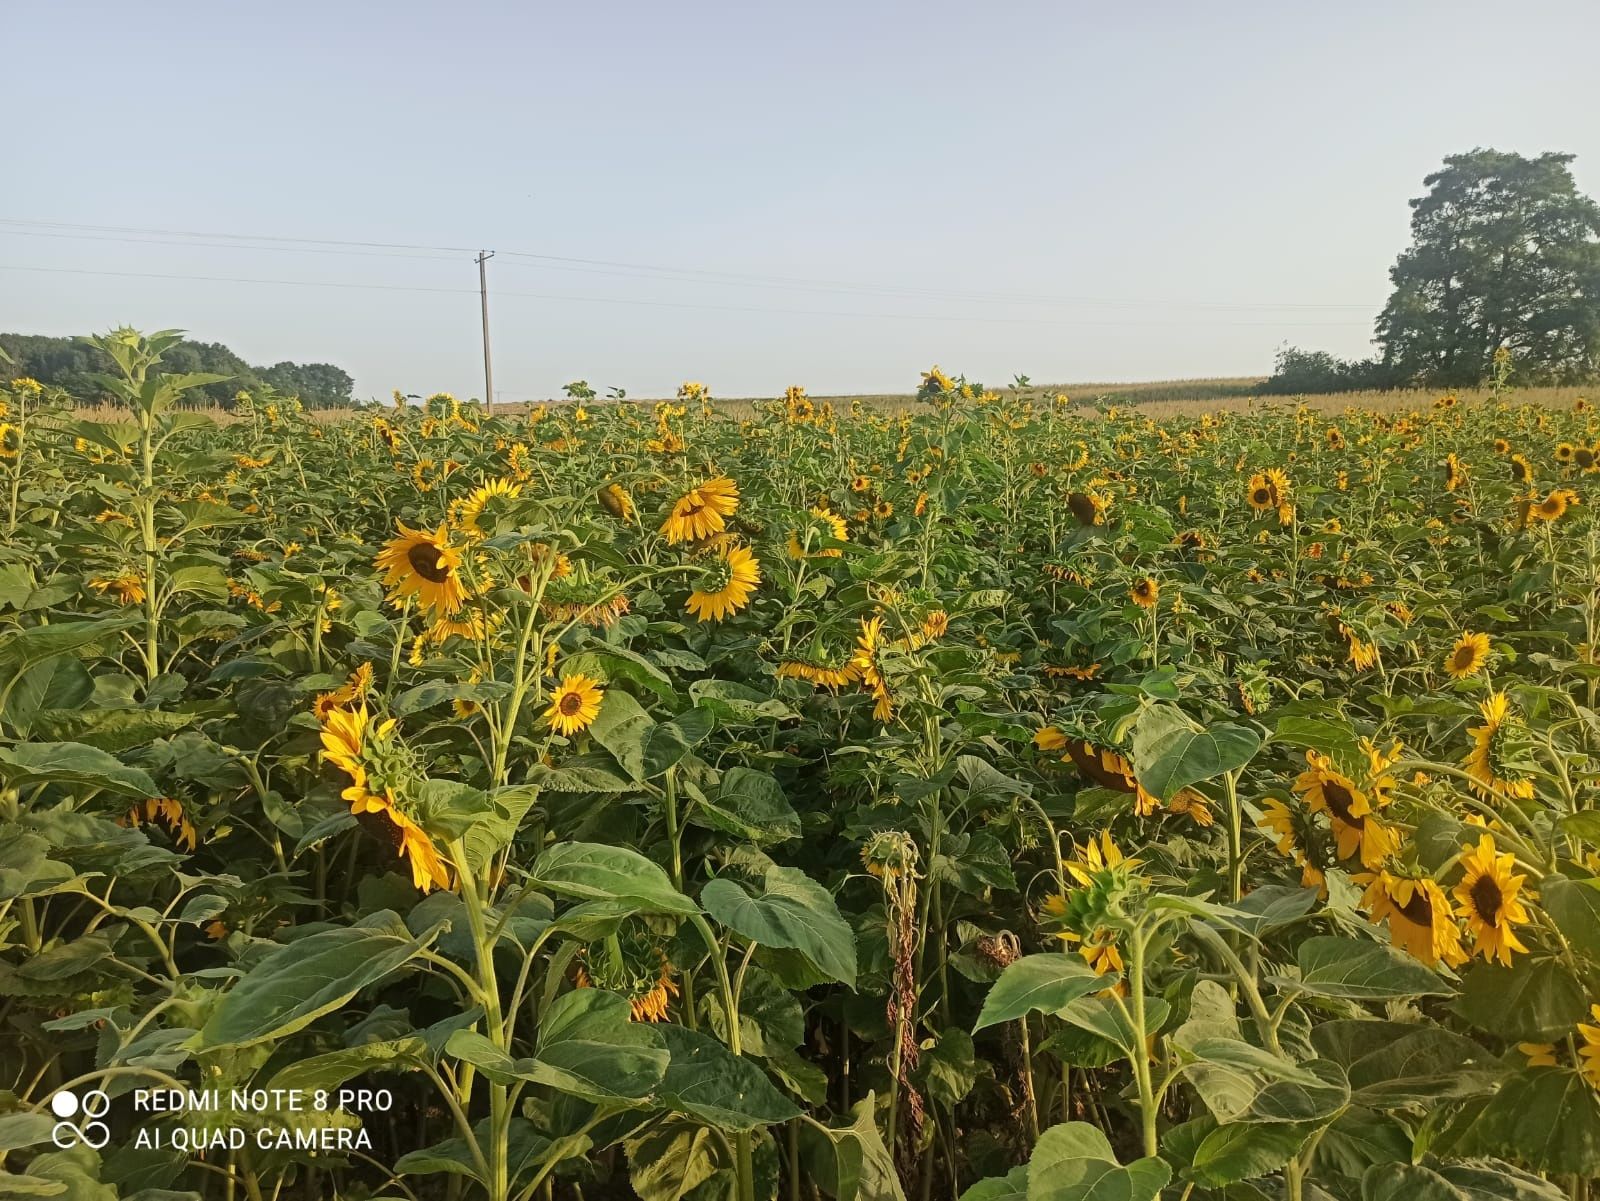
(964, 795)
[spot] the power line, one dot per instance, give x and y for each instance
(663, 273)
(668, 304)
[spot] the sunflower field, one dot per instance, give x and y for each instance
(1009, 799)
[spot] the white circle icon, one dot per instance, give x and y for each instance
(65, 1104)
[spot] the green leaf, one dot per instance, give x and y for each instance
(1242, 1083)
(793, 911)
(670, 741)
(670, 1161)
(592, 871)
(948, 1066)
(1227, 1154)
(1574, 905)
(1013, 1186)
(24, 648)
(706, 1080)
(749, 805)
(1105, 1019)
(1359, 969)
(1495, 1181)
(24, 1130)
(623, 728)
(1546, 1118)
(588, 1047)
(1073, 1161)
(110, 730)
(1534, 1000)
(1047, 982)
(1171, 752)
(296, 984)
(1395, 1065)
(73, 764)
(851, 1163)
(1407, 1182)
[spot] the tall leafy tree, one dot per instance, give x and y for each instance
(1505, 252)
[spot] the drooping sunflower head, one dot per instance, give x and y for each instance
(1420, 918)
(891, 855)
(1499, 759)
(633, 962)
(574, 704)
(1088, 508)
(423, 565)
(1470, 653)
(700, 512)
(614, 499)
(726, 587)
(10, 440)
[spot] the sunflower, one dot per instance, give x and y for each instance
(1088, 508)
(699, 512)
(1488, 762)
(818, 674)
(1109, 769)
(1471, 652)
(1098, 855)
(1281, 822)
(860, 484)
(1538, 1055)
(1589, 1052)
(1565, 452)
(1192, 805)
(1521, 469)
(883, 510)
(732, 578)
(1486, 897)
(345, 736)
(1455, 473)
(1269, 490)
(1501, 446)
(936, 624)
(128, 587)
(575, 704)
(408, 840)
(1145, 592)
(423, 565)
(1420, 918)
(10, 440)
(1351, 812)
(614, 499)
(864, 663)
(1050, 738)
(496, 493)
(1554, 506)
(165, 812)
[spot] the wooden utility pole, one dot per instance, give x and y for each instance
(483, 296)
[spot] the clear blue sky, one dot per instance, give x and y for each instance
(1077, 191)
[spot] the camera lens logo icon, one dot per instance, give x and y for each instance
(87, 1129)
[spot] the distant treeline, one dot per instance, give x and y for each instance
(1501, 283)
(72, 365)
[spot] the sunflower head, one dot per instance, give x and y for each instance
(423, 566)
(727, 585)
(1468, 656)
(574, 704)
(1145, 592)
